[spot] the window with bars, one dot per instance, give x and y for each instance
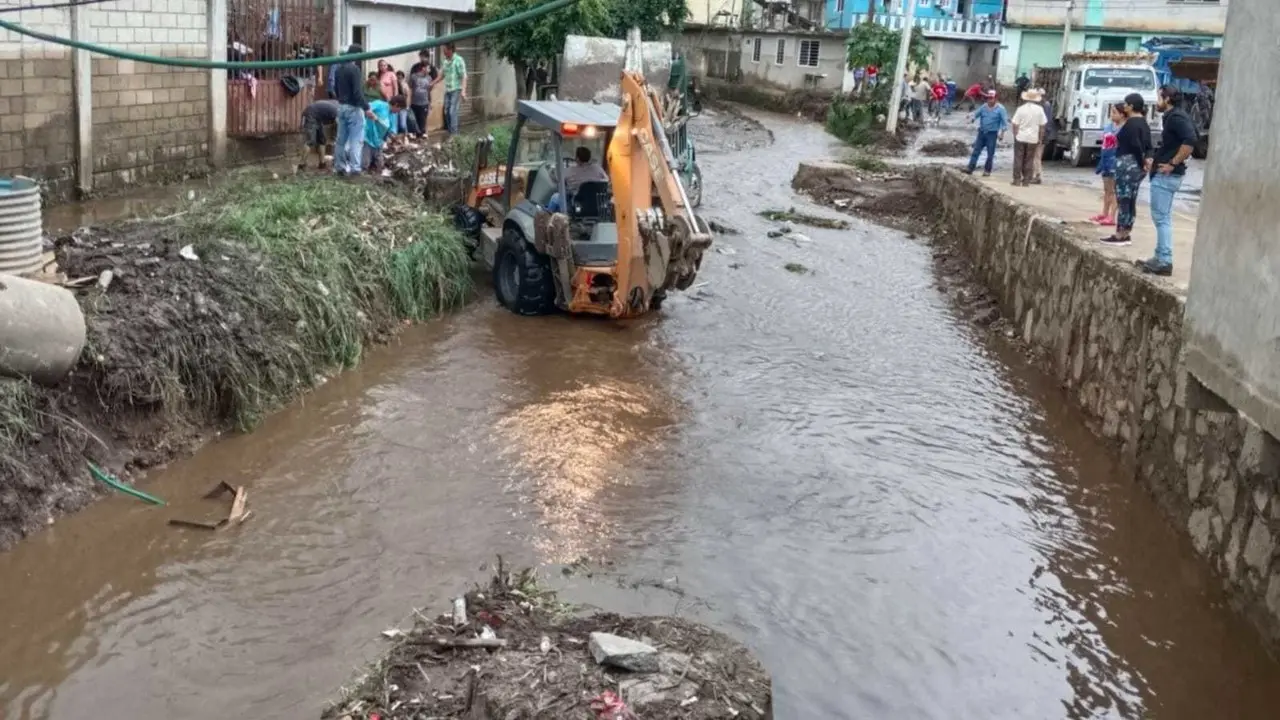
(781, 55)
(755, 50)
(808, 53)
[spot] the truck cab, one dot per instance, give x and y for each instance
(1084, 89)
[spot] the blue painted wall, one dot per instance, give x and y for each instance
(835, 18)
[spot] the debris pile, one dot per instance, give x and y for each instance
(945, 148)
(511, 650)
(435, 172)
(890, 199)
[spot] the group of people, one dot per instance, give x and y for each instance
(365, 113)
(1032, 125)
(1128, 158)
(925, 98)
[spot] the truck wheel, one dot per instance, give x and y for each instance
(694, 188)
(522, 278)
(1078, 156)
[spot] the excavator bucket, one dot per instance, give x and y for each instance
(591, 67)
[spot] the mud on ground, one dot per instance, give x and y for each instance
(887, 198)
(546, 670)
(945, 148)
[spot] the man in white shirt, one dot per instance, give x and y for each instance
(921, 92)
(1028, 123)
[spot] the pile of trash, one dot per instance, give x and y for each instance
(437, 172)
(511, 650)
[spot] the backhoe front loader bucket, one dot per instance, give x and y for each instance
(591, 68)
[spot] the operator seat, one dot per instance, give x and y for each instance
(593, 201)
(591, 214)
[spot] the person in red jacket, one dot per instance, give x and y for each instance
(974, 95)
(939, 91)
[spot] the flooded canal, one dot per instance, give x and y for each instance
(903, 520)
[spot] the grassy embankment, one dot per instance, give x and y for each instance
(294, 280)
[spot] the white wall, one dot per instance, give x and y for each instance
(789, 73)
(392, 25)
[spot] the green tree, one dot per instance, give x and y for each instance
(874, 44)
(542, 39)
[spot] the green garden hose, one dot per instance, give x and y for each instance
(104, 477)
(494, 26)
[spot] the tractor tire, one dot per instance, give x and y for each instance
(522, 278)
(694, 188)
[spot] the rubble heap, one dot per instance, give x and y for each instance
(511, 650)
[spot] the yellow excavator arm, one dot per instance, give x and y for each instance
(658, 247)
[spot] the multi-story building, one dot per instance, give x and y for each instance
(1034, 29)
(964, 35)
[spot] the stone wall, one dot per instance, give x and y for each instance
(1113, 338)
(150, 122)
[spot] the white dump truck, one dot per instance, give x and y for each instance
(1082, 90)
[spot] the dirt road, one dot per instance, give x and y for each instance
(897, 515)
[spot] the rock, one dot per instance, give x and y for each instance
(104, 280)
(1180, 449)
(623, 653)
(776, 233)
(1195, 480)
(1258, 549)
(1260, 500)
(1232, 557)
(1165, 391)
(1273, 595)
(1227, 499)
(1198, 526)
(188, 253)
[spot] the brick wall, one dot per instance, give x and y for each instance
(150, 122)
(37, 117)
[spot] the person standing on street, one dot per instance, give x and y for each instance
(1050, 135)
(455, 86)
(1166, 169)
(353, 108)
(921, 95)
(317, 121)
(992, 121)
(1133, 154)
(1028, 133)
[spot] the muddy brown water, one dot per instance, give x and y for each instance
(900, 517)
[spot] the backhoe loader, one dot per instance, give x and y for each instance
(611, 248)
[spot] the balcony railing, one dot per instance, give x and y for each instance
(933, 27)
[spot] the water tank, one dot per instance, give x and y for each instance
(20, 226)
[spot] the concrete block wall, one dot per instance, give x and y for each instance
(37, 109)
(150, 122)
(1114, 340)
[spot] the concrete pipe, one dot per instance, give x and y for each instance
(41, 330)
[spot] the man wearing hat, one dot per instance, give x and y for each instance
(1029, 122)
(992, 121)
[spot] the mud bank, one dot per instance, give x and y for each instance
(1113, 340)
(207, 318)
(512, 650)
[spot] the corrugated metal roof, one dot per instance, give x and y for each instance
(555, 112)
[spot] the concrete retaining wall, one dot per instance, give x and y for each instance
(1113, 338)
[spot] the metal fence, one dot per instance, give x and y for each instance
(270, 102)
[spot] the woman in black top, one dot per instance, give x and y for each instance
(1133, 153)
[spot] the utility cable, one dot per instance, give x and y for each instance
(494, 26)
(54, 6)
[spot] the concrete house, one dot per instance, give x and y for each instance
(1034, 29)
(963, 35)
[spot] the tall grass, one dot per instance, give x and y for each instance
(319, 268)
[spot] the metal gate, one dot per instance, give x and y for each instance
(270, 102)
